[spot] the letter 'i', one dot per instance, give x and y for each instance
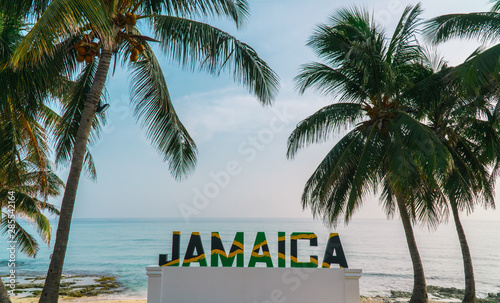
(281, 249)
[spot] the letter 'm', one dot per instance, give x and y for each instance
(218, 251)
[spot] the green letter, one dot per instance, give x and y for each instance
(313, 241)
(260, 241)
(219, 252)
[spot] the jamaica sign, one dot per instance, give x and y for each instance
(195, 253)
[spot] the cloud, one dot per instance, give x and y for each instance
(232, 110)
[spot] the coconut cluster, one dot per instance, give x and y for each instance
(134, 53)
(86, 49)
(126, 20)
(130, 18)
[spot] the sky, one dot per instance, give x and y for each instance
(242, 169)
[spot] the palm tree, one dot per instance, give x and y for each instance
(25, 167)
(100, 30)
(385, 147)
(477, 78)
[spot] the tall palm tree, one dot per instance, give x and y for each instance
(467, 123)
(477, 77)
(100, 30)
(386, 147)
(25, 167)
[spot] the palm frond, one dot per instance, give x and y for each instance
(321, 125)
(327, 190)
(237, 10)
(193, 43)
(51, 209)
(329, 81)
(154, 110)
(347, 27)
(482, 26)
(23, 240)
(403, 46)
(61, 19)
(25, 7)
(477, 70)
(364, 179)
(426, 148)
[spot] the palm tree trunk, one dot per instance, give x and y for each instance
(419, 294)
(50, 292)
(4, 295)
(470, 284)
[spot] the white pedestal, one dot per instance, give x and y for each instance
(252, 285)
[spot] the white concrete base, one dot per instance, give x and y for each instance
(252, 285)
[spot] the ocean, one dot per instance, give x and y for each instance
(124, 247)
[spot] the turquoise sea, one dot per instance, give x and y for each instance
(124, 247)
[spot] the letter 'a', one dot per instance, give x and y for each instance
(334, 254)
(265, 257)
(194, 244)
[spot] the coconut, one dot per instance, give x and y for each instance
(91, 53)
(89, 59)
(128, 18)
(140, 47)
(80, 58)
(77, 45)
(134, 58)
(82, 51)
(133, 19)
(135, 52)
